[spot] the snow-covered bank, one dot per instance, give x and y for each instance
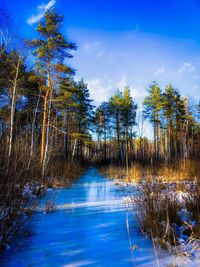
(169, 216)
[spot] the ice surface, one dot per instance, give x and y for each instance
(87, 229)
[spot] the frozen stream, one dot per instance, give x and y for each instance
(87, 229)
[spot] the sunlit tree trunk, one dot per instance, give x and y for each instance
(44, 122)
(47, 136)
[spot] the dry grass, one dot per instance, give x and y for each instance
(156, 212)
(157, 208)
(15, 198)
(157, 204)
(179, 171)
(61, 173)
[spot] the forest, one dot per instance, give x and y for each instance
(51, 132)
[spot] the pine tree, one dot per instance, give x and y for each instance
(66, 106)
(101, 120)
(51, 48)
(83, 118)
(170, 97)
(115, 106)
(128, 119)
(153, 104)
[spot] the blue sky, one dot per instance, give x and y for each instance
(125, 42)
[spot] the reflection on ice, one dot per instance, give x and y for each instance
(80, 263)
(110, 204)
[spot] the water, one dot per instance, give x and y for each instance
(87, 229)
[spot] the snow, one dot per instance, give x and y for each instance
(87, 228)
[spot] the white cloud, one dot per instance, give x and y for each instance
(121, 84)
(100, 90)
(159, 71)
(41, 11)
(138, 93)
(186, 67)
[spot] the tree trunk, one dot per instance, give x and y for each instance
(47, 138)
(155, 139)
(65, 136)
(44, 122)
(105, 145)
(127, 170)
(118, 138)
(32, 132)
(12, 111)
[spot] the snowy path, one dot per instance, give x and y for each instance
(88, 228)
